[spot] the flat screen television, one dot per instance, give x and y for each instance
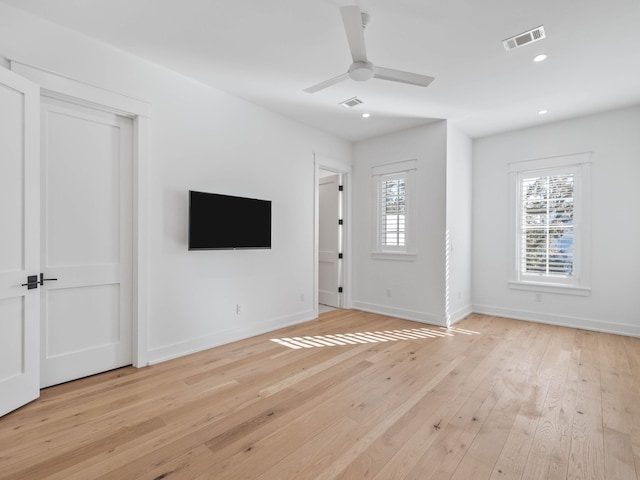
(224, 222)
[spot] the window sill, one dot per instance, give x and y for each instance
(551, 288)
(402, 256)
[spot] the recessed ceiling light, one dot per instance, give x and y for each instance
(366, 115)
(540, 58)
(543, 112)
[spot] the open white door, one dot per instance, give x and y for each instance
(19, 241)
(329, 241)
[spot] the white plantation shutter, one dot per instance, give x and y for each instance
(392, 208)
(393, 193)
(547, 225)
(551, 223)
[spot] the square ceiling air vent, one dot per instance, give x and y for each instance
(524, 38)
(352, 102)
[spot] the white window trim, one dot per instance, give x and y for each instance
(407, 252)
(579, 283)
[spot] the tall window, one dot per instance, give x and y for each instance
(551, 223)
(393, 208)
(547, 229)
(393, 190)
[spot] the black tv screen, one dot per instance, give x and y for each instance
(218, 222)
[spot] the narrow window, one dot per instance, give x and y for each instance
(394, 190)
(393, 204)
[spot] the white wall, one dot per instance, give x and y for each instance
(614, 140)
(203, 139)
(417, 287)
(459, 179)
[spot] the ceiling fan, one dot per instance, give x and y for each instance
(362, 69)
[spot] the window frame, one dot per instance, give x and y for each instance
(578, 165)
(380, 173)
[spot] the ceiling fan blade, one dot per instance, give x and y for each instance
(327, 83)
(402, 77)
(352, 19)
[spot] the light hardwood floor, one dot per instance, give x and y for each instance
(517, 400)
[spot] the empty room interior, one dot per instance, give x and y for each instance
(321, 239)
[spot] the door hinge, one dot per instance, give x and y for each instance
(339, 289)
(340, 188)
(339, 255)
(340, 222)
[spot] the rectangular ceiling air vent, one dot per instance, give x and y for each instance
(524, 38)
(352, 102)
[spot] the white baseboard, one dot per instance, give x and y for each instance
(206, 342)
(460, 314)
(194, 345)
(560, 320)
(416, 316)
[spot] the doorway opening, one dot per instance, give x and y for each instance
(330, 254)
(331, 238)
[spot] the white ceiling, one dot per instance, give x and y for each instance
(268, 51)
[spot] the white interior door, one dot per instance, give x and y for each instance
(329, 241)
(86, 241)
(19, 241)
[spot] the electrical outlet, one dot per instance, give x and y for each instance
(238, 309)
(538, 297)
(302, 297)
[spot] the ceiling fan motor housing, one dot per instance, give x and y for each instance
(361, 71)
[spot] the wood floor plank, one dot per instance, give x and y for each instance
(559, 455)
(483, 453)
(548, 436)
(617, 411)
(492, 398)
(586, 458)
(345, 459)
(520, 442)
(406, 442)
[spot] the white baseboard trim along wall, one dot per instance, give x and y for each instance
(560, 320)
(460, 314)
(169, 352)
(416, 316)
(194, 345)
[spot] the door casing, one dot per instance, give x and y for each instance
(330, 241)
(60, 87)
(326, 163)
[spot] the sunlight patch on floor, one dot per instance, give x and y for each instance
(338, 339)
